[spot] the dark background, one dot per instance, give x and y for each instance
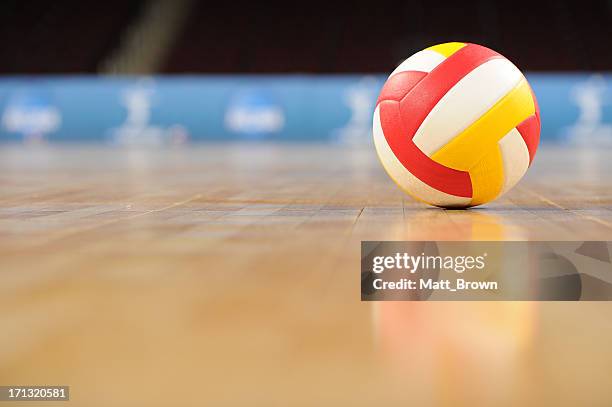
(72, 36)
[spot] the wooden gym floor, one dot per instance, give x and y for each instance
(229, 275)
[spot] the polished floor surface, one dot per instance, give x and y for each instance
(229, 275)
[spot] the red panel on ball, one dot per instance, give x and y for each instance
(435, 175)
(398, 85)
(530, 131)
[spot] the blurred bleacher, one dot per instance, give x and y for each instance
(65, 36)
(72, 36)
(329, 38)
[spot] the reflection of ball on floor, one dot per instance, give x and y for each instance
(456, 125)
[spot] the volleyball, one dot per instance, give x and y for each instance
(456, 125)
